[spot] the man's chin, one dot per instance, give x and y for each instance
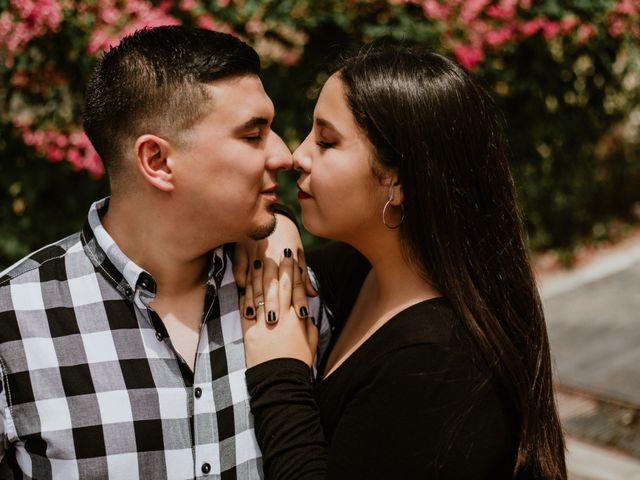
(264, 230)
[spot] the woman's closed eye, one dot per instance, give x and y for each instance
(325, 145)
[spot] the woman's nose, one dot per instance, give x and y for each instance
(301, 156)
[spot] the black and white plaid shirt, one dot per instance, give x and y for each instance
(92, 386)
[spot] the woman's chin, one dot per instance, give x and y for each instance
(312, 225)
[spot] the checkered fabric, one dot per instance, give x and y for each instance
(92, 386)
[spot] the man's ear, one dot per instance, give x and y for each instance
(152, 161)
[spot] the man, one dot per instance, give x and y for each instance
(121, 351)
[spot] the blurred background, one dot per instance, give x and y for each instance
(566, 75)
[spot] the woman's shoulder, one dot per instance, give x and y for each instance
(431, 335)
(430, 322)
(428, 335)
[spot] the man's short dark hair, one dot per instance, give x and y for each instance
(153, 81)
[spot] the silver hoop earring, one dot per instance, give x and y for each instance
(384, 212)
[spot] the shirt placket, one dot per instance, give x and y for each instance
(206, 446)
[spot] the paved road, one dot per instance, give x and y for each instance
(593, 317)
(594, 331)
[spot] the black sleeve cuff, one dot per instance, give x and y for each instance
(276, 369)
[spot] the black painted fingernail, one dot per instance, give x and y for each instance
(257, 264)
(241, 291)
(287, 252)
(303, 311)
(249, 312)
(271, 317)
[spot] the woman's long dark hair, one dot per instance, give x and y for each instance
(431, 123)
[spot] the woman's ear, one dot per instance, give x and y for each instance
(396, 194)
(152, 161)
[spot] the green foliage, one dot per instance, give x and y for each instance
(565, 75)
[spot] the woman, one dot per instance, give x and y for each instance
(439, 365)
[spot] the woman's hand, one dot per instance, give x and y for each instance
(291, 336)
(261, 258)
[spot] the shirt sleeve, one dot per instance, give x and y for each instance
(422, 412)
(287, 420)
(3, 410)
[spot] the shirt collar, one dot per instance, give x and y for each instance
(123, 272)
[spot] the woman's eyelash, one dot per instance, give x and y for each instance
(325, 145)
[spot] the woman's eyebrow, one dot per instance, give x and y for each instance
(323, 123)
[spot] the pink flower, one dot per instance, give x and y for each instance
(60, 139)
(205, 21)
(110, 15)
(469, 56)
(25, 20)
(75, 157)
(470, 10)
(435, 10)
(255, 27)
(530, 27)
(617, 26)
(92, 163)
(500, 36)
(79, 138)
(187, 5)
(55, 154)
(505, 10)
(585, 32)
(568, 23)
(627, 7)
(142, 14)
(550, 29)
(224, 3)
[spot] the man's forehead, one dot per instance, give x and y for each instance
(241, 97)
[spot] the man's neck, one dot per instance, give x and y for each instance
(158, 246)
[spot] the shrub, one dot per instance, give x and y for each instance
(566, 77)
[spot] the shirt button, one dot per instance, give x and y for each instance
(206, 468)
(159, 336)
(198, 392)
(128, 291)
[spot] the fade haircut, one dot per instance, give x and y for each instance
(154, 81)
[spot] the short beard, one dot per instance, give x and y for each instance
(264, 231)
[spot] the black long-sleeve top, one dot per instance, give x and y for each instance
(413, 401)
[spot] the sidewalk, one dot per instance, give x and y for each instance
(593, 318)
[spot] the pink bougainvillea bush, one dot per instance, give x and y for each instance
(565, 74)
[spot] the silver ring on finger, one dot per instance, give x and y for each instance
(260, 304)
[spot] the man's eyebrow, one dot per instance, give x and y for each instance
(254, 122)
